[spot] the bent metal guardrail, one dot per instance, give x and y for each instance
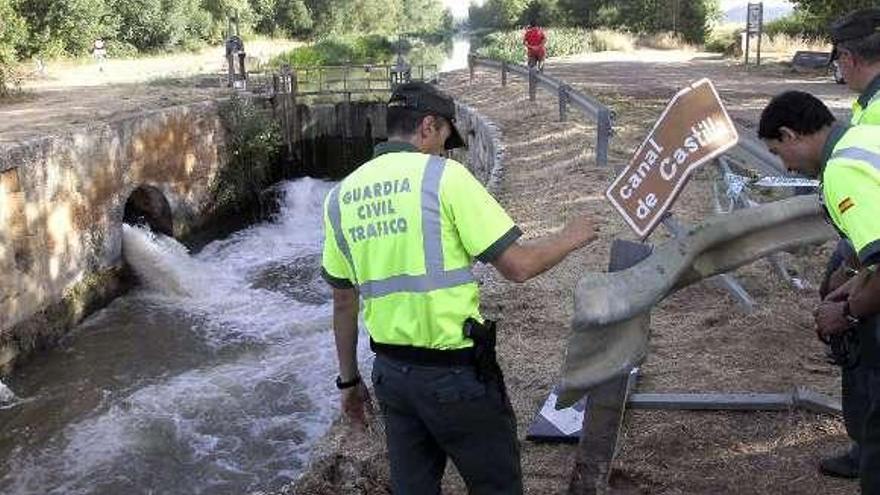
(612, 310)
(592, 108)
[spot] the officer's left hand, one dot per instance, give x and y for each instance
(830, 319)
(357, 404)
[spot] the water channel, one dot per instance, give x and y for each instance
(215, 375)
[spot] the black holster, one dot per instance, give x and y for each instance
(486, 360)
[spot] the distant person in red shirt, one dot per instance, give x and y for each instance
(534, 40)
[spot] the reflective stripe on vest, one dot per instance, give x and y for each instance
(336, 223)
(860, 154)
(435, 276)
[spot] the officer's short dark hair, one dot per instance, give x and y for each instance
(799, 111)
(403, 121)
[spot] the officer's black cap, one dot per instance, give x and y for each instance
(856, 25)
(424, 97)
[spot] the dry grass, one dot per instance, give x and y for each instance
(780, 45)
(665, 41)
(602, 40)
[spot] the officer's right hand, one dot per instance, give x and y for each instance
(581, 230)
(357, 404)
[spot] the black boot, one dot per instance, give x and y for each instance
(840, 466)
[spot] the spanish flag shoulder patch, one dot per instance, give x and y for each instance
(845, 205)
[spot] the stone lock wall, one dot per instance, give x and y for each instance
(62, 199)
(484, 155)
(61, 207)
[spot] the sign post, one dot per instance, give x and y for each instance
(754, 26)
(693, 129)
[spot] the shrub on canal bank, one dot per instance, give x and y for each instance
(253, 144)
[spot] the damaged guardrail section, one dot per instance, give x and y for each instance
(612, 310)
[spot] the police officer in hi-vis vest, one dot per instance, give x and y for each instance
(800, 129)
(856, 39)
(401, 234)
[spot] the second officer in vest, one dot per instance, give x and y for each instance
(802, 131)
(401, 234)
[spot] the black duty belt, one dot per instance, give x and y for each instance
(424, 356)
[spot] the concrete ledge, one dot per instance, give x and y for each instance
(61, 207)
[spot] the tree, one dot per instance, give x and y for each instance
(13, 36)
(66, 26)
(544, 12)
(284, 17)
(818, 14)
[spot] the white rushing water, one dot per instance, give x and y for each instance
(245, 415)
(7, 397)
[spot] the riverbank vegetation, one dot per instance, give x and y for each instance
(47, 30)
(575, 26)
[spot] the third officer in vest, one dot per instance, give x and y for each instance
(802, 131)
(401, 234)
(856, 39)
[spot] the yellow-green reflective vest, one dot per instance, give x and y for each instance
(404, 229)
(870, 112)
(869, 115)
(851, 188)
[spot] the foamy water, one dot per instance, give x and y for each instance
(215, 377)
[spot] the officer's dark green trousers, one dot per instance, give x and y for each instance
(433, 413)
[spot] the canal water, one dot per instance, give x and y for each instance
(214, 376)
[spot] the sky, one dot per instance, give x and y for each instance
(459, 7)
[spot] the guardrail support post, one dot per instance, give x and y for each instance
(503, 74)
(563, 102)
(533, 83)
(603, 136)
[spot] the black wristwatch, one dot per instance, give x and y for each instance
(850, 318)
(341, 385)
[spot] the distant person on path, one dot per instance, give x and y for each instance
(799, 128)
(401, 234)
(99, 52)
(534, 40)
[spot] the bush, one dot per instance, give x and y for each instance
(373, 49)
(253, 144)
(719, 41)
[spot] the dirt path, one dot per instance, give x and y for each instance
(701, 342)
(77, 93)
